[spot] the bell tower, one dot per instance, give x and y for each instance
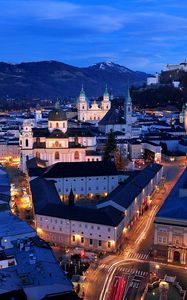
(106, 104)
(82, 105)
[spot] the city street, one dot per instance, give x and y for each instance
(134, 260)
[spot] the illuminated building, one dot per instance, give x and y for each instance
(58, 142)
(170, 226)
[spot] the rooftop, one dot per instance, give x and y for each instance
(174, 207)
(126, 192)
(36, 271)
(81, 169)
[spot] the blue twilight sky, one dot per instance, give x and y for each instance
(140, 34)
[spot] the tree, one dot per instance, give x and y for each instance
(119, 158)
(110, 146)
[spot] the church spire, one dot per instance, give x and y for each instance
(71, 198)
(57, 105)
(82, 96)
(128, 96)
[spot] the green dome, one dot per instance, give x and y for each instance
(57, 115)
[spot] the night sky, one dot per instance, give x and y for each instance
(139, 34)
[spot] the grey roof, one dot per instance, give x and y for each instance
(105, 216)
(43, 192)
(113, 116)
(81, 169)
(175, 207)
(126, 192)
(47, 202)
(36, 271)
(11, 225)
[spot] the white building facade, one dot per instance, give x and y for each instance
(95, 112)
(57, 143)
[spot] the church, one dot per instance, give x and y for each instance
(57, 142)
(92, 113)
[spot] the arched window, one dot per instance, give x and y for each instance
(83, 107)
(76, 155)
(57, 155)
(64, 125)
(50, 125)
(57, 125)
(56, 144)
(26, 143)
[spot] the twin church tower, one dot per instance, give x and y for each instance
(95, 112)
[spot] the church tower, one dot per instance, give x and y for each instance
(82, 105)
(106, 104)
(128, 108)
(26, 143)
(38, 114)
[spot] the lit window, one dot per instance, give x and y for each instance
(82, 240)
(76, 155)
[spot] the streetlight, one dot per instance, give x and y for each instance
(157, 267)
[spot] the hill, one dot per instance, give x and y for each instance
(49, 79)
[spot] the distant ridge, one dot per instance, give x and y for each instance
(48, 79)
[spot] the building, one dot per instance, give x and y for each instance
(4, 185)
(87, 180)
(151, 80)
(58, 142)
(134, 195)
(74, 226)
(96, 229)
(118, 119)
(174, 67)
(28, 268)
(92, 113)
(9, 151)
(170, 225)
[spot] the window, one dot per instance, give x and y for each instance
(64, 125)
(92, 227)
(56, 144)
(76, 155)
(73, 238)
(98, 227)
(86, 225)
(60, 229)
(38, 154)
(100, 243)
(50, 125)
(162, 239)
(57, 125)
(57, 155)
(108, 229)
(91, 242)
(26, 143)
(40, 218)
(82, 239)
(109, 244)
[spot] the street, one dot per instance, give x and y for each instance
(134, 261)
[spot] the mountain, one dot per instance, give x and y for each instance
(48, 79)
